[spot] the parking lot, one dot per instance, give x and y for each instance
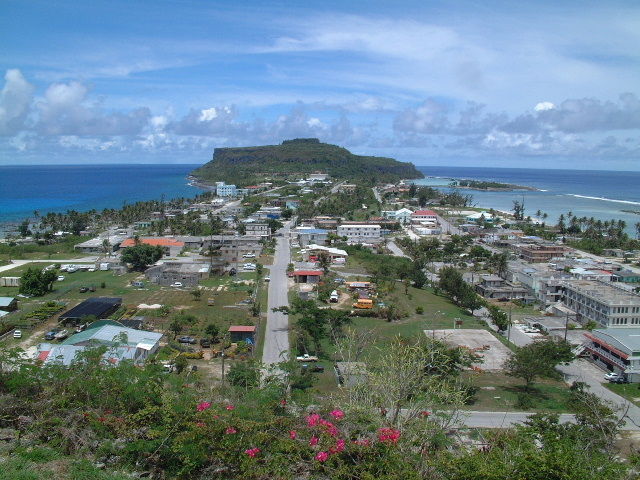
(475, 339)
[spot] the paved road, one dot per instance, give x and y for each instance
(276, 339)
(395, 250)
(582, 370)
(18, 263)
(448, 228)
(476, 419)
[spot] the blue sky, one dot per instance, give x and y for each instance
(519, 84)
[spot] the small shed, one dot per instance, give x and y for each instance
(8, 304)
(307, 276)
(243, 333)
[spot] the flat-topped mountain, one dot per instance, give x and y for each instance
(293, 158)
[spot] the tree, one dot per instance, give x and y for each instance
(499, 317)
(324, 260)
(36, 282)
(176, 327)
(538, 359)
(196, 293)
(212, 331)
(518, 210)
(244, 374)
(141, 255)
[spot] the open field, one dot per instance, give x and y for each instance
(493, 357)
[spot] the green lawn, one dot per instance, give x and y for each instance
(500, 392)
(630, 391)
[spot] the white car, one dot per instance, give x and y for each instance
(267, 279)
(17, 334)
(611, 376)
(176, 284)
(60, 278)
(249, 255)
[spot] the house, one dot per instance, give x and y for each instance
(312, 251)
(310, 235)
(107, 244)
(122, 344)
(187, 273)
(422, 215)
(243, 333)
(477, 217)
(360, 233)
(224, 190)
(98, 307)
(616, 350)
(307, 276)
(170, 246)
(626, 276)
(318, 177)
(8, 304)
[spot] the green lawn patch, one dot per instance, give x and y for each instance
(630, 391)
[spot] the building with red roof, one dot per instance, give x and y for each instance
(307, 276)
(242, 333)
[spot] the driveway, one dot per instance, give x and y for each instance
(276, 337)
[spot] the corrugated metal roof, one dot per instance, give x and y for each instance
(242, 328)
(107, 334)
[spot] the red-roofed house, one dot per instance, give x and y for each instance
(424, 215)
(171, 246)
(307, 276)
(242, 333)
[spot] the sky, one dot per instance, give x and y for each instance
(529, 84)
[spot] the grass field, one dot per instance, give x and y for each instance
(630, 391)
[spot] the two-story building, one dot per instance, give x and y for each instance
(617, 350)
(360, 233)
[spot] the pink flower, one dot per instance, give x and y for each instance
(424, 413)
(337, 414)
(331, 428)
(202, 406)
(322, 456)
(313, 441)
(340, 445)
(252, 452)
(365, 443)
(388, 435)
(230, 407)
(283, 402)
(200, 424)
(230, 431)
(313, 420)
(293, 434)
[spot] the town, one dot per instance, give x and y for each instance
(316, 279)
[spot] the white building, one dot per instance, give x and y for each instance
(360, 233)
(403, 215)
(616, 350)
(258, 229)
(318, 177)
(604, 303)
(224, 190)
(424, 215)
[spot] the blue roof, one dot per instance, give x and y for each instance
(313, 230)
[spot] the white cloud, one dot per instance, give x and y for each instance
(208, 114)
(542, 106)
(15, 101)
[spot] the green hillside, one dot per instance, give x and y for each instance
(293, 158)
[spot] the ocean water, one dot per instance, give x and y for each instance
(58, 188)
(586, 193)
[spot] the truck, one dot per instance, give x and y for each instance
(334, 297)
(363, 303)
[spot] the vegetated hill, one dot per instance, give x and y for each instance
(293, 158)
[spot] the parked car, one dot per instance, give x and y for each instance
(267, 278)
(611, 376)
(51, 334)
(60, 278)
(62, 334)
(205, 343)
(81, 328)
(176, 284)
(84, 289)
(187, 339)
(17, 334)
(620, 380)
(249, 255)
(339, 280)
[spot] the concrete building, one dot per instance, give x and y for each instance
(335, 254)
(493, 286)
(539, 253)
(360, 233)
(402, 215)
(307, 276)
(422, 215)
(224, 190)
(309, 235)
(8, 304)
(477, 217)
(616, 350)
(605, 303)
(258, 229)
(188, 274)
(170, 246)
(626, 276)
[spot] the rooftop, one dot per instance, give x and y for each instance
(161, 241)
(603, 291)
(242, 328)
(625, 339)
(424, 212)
